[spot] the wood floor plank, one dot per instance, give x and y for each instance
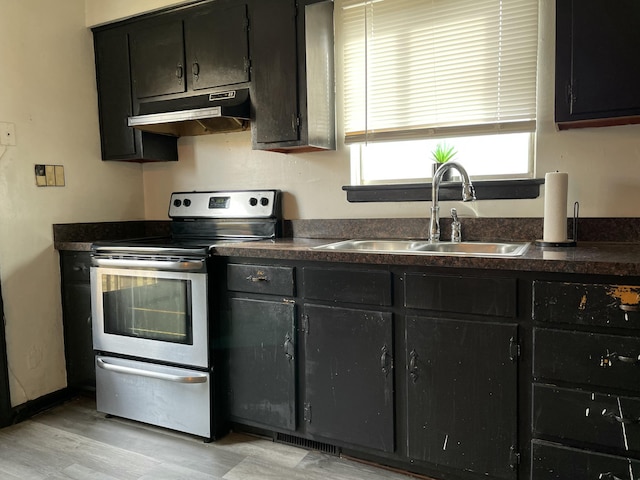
(74, 442)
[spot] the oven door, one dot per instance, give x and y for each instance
(151, 314)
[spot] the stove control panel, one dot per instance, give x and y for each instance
(225, 204)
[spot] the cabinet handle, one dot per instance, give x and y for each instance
(195, 69)
(385, 360)
(179, 72)
(288, 347)
(629, 308)
(607, 360)
(258, 278)
(413, 366)
(608, 476)
(619, 419)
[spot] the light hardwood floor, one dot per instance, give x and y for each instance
(73, 441)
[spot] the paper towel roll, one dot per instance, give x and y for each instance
(555, 207)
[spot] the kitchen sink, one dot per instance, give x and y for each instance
(423, 247)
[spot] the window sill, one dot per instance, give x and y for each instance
(416, 192)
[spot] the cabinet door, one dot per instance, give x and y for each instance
(262, 364)
(349, 394)
(597, 63)
(217, 47)
(462, 394)
(114, 93)
(157, 60)
(76, 314)
(274, 79)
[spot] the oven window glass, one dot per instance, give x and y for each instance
(148, 307)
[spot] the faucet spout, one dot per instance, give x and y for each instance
(468, 194)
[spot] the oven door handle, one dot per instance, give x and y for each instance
(200, 378)
(171, 266)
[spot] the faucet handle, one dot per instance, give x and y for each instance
(456, 227)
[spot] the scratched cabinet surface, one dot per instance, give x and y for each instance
(462, 394)
(586, 374)
(587, 304)
(349, 394)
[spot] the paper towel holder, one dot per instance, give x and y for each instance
(568, 243)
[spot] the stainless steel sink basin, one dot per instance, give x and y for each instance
(423, 247)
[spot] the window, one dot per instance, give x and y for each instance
(420, 71)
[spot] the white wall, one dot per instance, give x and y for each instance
(47, 89)
(602, 164)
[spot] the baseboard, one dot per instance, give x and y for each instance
(33, 407)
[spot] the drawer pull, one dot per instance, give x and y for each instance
(607, 360)
(619, 419)
(258, 278)
(288, 347)
(629, 308)
(413, 366)
(608, 476)
(385, 360)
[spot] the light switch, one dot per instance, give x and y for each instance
(7, 133)
(59, 174)
(41, 179)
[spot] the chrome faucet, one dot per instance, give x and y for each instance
(468, 194)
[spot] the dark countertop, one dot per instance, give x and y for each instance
(598, 258)
(606, 246)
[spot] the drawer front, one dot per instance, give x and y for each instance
(75, 266)
(368, 287)
(587, 304)
(554, 462)
(586, 418)
(480, 296)
(267, 279)
(587, 358)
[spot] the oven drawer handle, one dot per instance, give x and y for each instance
(202, 378)
(170, 266)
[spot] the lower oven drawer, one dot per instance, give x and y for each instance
(555, 462)
(169, 397)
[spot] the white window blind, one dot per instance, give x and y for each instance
(438, 68)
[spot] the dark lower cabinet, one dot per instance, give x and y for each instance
(555, 462)
(349, 378)
(586, 401)
(76, 314)
(461, 397)
(262, 362)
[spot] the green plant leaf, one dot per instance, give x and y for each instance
(443, 153)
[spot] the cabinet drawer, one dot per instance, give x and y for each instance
(261, 279)
(554, 462)
(369, 287)
(586, 417)
(75, 266)
(480, 296)
(587, 358)
(587, 304)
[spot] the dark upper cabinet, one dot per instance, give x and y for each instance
(597, 63)
(291, 46)
(196, 49)
(157, 60)
(118, 140)
(217, 47)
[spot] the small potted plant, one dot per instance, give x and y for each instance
(442, 154)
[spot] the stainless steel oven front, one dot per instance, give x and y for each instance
(152, 314)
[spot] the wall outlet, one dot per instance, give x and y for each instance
(7, 133)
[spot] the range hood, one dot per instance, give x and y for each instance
(227, 111)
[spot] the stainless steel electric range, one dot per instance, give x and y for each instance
(153, 325)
